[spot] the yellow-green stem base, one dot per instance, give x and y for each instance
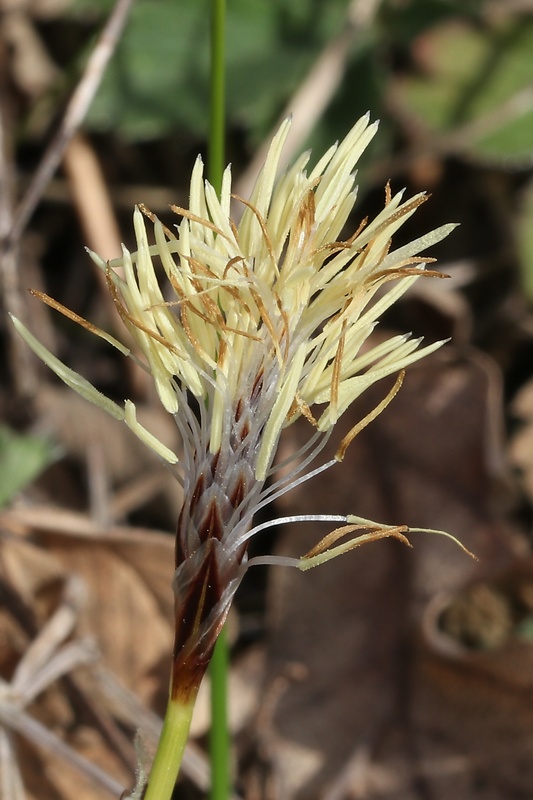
(170, 749)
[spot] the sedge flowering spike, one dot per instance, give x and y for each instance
(244, 328)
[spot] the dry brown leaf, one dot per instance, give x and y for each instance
(49, 778)
(30, 570)
(476, 700)
(127, 611)
(128, 579)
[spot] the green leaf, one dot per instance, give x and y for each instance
(525, 629)
(22, 458)
(158, 79)
(479, 80)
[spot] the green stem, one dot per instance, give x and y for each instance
(216, 156)
(219, 740)
(219, 737)
(170, 749)
(178, 716)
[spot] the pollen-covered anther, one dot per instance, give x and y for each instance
(407, 271)
(298, 408)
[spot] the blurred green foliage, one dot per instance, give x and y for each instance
(159, 78)
(23, 458)
(481, 76)
(448, 63)
(449, 77)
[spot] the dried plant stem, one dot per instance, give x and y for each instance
(14, 221)
(76, 110)
(15, 718)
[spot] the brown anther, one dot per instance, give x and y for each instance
(183, 212)
(67, 312)
(262, 225)
(361, 425)
(171, 236)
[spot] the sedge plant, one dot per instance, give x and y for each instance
(245, 328)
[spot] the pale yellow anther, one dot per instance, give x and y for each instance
(273, 315)
(145, 436)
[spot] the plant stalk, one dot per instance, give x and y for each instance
(170, 750)
(178, 715)
(219, 742)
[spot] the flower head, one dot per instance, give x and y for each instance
(261, 323)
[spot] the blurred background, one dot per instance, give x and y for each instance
(387, 674)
